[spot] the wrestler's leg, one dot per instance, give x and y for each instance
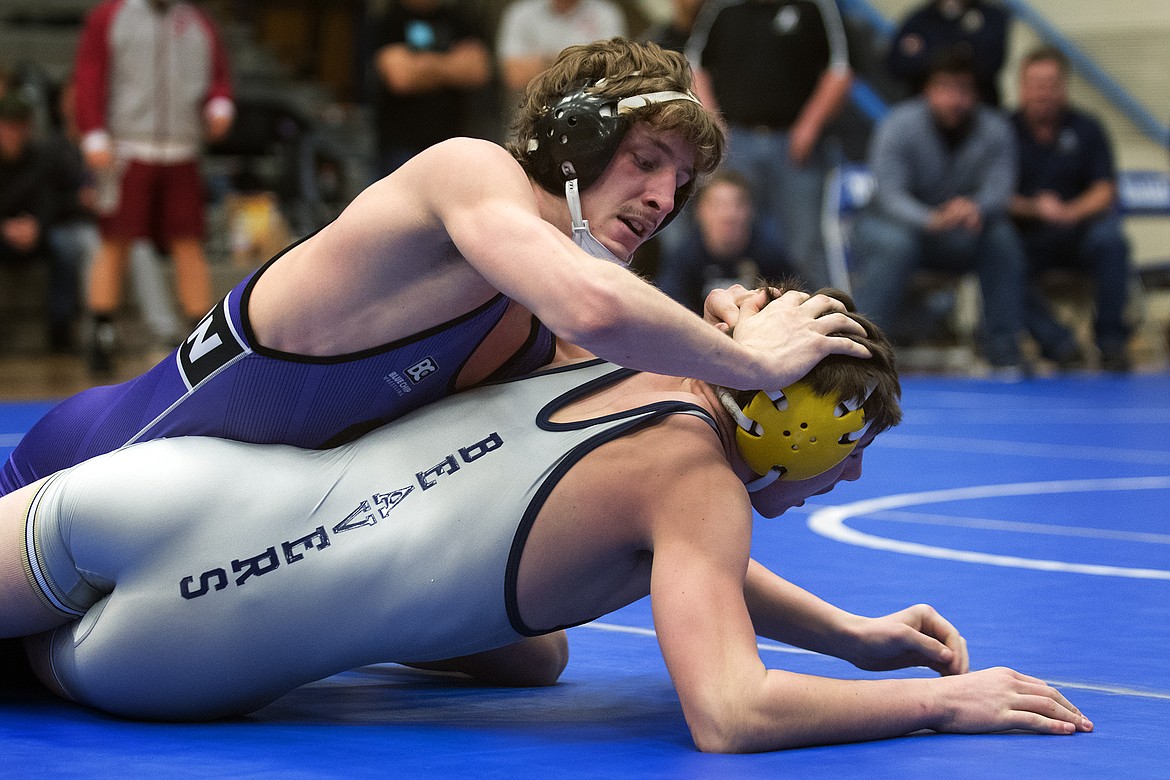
(531, 662)
(192, 277)
(23, 610)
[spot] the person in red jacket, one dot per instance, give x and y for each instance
(152, 83)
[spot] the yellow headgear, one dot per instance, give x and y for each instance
(795, 433)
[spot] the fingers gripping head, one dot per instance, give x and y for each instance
(796, 433)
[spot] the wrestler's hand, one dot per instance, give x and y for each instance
(99, 160)
(1001, 699)
(915, 636)
(795, 332)
(721, 308)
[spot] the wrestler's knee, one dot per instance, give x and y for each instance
(549, 655)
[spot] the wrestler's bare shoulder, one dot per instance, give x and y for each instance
(466, 163)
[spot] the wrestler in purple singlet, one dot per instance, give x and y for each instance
(221, 383)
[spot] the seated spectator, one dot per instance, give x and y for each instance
(1064, 208)
(977, 27)
(726, 247)
(27, 209)
(944, 173)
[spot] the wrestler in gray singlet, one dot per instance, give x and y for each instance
(212, 576)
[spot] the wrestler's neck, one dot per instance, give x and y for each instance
(552, 208)
(643, 389)
(726, 428)
(647, 388)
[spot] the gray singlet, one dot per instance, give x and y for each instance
(210, 576)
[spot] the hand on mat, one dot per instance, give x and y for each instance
(1002, 699)
(795, 332)
(915, 636)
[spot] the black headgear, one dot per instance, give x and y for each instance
(578, 136)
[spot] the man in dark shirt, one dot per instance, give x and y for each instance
(427, 59)
(980, 28)
(1065, 209)
(778, 70)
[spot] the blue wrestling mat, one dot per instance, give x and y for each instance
(1035, 516)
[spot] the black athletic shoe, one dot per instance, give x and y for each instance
(1069, 358)
(1116, 360)
(60, 338)
(102, 344)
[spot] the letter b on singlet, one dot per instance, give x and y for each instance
(210, 347)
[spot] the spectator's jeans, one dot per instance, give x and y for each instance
(1096, 247)
(79, 241)
(890, 252)
(786, 195)
(71, 244)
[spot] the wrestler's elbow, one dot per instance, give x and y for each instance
(592, 315)
(719, 733)
(730, 720)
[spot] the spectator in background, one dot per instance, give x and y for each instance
(674, 33)
(27, 210)
(427, 58)
(779, 71)
(727, 248)
(1065, 210)
(980, 28)
(141, 136)
(944, 169)
(533, 32)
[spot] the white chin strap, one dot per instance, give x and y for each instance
(753, 427)
(581, 235)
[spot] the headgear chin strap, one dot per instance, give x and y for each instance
(581, 235)
(795, 433)
(576, 139)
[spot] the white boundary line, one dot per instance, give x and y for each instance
(1019, 527)
(1113, 689)
(1053, 417)
(830, 522)
(903, 441)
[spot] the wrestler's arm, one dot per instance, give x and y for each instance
(732, 703)
(915, 636)
(494, 221)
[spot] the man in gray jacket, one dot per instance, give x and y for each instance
(944, 170)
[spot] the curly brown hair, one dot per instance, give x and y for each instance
(628, 68)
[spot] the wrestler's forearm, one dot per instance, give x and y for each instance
(784, 612)
(606, 310)
(616, 316)
(795, 710)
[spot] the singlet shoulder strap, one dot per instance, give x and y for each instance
(604, 375)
